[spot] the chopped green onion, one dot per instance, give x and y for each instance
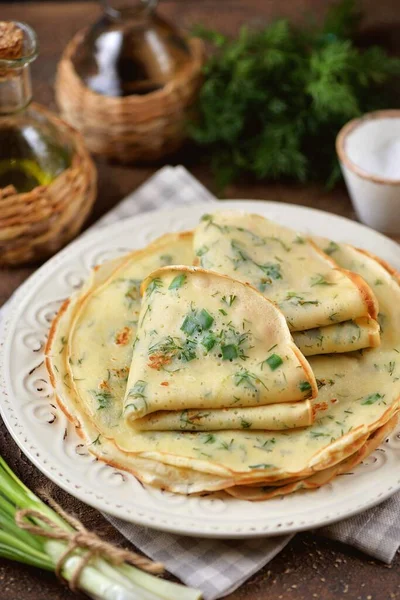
(274, 361)
(204, 319)
(229, 352)
(189, 324)
(371, 399)
(197, 320)
(177, 282)
(209, 341)
(305, 386)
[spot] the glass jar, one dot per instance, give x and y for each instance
(32, 150)
(130, 50)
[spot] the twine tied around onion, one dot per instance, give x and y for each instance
(79, 538)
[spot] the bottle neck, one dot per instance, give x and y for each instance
(15, 89)
(116, 9)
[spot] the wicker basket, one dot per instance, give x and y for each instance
(131, 128)
(35, 224)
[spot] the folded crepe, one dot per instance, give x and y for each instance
(341, 337)
(207, 341)
(273, 417)
(312, 291)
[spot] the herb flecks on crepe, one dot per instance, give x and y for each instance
(320, 478)
(306, 284)
(342, 337)
(174, 479)
(358, 398)
(207, 341)
(360, 392)
(103, 328)
(96, 429)
(272, 417)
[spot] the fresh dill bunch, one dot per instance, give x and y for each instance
(274, 99)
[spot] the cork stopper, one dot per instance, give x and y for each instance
(11, 41)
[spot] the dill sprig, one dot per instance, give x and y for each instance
(274, 99)
(103, 398)
(271, 270)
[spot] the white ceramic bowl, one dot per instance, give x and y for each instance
(369, 154)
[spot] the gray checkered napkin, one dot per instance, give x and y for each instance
(219, 567)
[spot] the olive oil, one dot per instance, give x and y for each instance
(22, 174)
(32, 150)
(26, 165)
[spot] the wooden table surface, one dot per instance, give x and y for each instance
(310, 567)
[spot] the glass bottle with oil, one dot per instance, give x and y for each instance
(130, 50)
(32, 150)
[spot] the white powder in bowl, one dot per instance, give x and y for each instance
(374, 146)
(385, 161)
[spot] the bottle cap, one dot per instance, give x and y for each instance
(11, 41)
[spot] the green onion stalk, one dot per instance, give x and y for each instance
(100, 579)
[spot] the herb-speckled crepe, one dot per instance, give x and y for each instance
(175, 479)
(207, 341)
(341, 337)
(366, 447)
(166, 249)
(103, 330)
(289, 269)
(359, 392)
(273, 417)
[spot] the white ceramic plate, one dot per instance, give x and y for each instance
(43, 433)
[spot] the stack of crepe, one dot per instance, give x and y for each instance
(195, 378)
